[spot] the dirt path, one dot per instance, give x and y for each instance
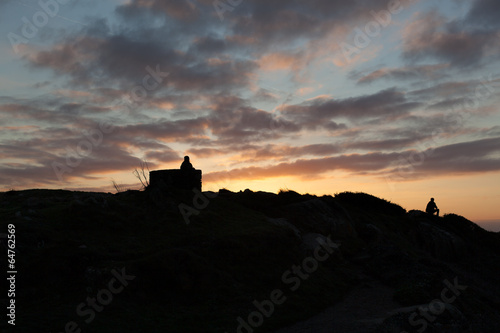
(359, 312)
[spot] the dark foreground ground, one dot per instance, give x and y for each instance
(243, 262)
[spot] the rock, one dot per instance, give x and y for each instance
(318, 214)
(410, 319)
(175, 178)
(439, 243)
(282, 222)
(415, 214)
(370, 233)
(33, 202)
(312, 241)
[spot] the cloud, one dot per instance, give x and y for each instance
(257, 29)
(388, 103)
(232, 120)
(90, 61)
(303, 168)
(40, 172)
(425, 72)
(464, 96)
(484, 13)
(205, 152)
(477, 156)
(164, 156)
(386, 144)
(178, 130)
(182, 10)
(445, 90)
(431, 36)
(466, 157)
(278, 61)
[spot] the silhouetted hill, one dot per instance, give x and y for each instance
(246, 261)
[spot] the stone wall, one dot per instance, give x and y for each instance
(176, 178)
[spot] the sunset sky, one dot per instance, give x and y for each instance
(399, 99)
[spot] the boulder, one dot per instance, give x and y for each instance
(176, 178)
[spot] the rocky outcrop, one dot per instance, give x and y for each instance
(321, 214)
(175, 179)
(434, 239)
(244, 248)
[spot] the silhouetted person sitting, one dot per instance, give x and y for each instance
(186, 165)
(432, 208)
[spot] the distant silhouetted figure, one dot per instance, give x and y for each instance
(186, 165)
(432, 208)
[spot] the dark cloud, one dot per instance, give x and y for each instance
(210, 45)
(448, 104)
(305, 168)
(91, 61)
(255, 153)
(493, 131)
(33, 111)
(384, 104)
(234, 121)
(431, 36)
(284, 21)
(178, 130)
(185, 38)
(484, 13)
(266, 22)
(467, 157)
(461, 158)
(279, 152)
(464, 155)
(265, 95)
(182, 10)
(425, 72)
(462, 96)
(163, 156)
(41, 172)
(388, 144)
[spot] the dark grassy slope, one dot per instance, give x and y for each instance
(202, 276)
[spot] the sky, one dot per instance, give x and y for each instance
(398, 99)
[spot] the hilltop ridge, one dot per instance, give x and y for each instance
(222, 262)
